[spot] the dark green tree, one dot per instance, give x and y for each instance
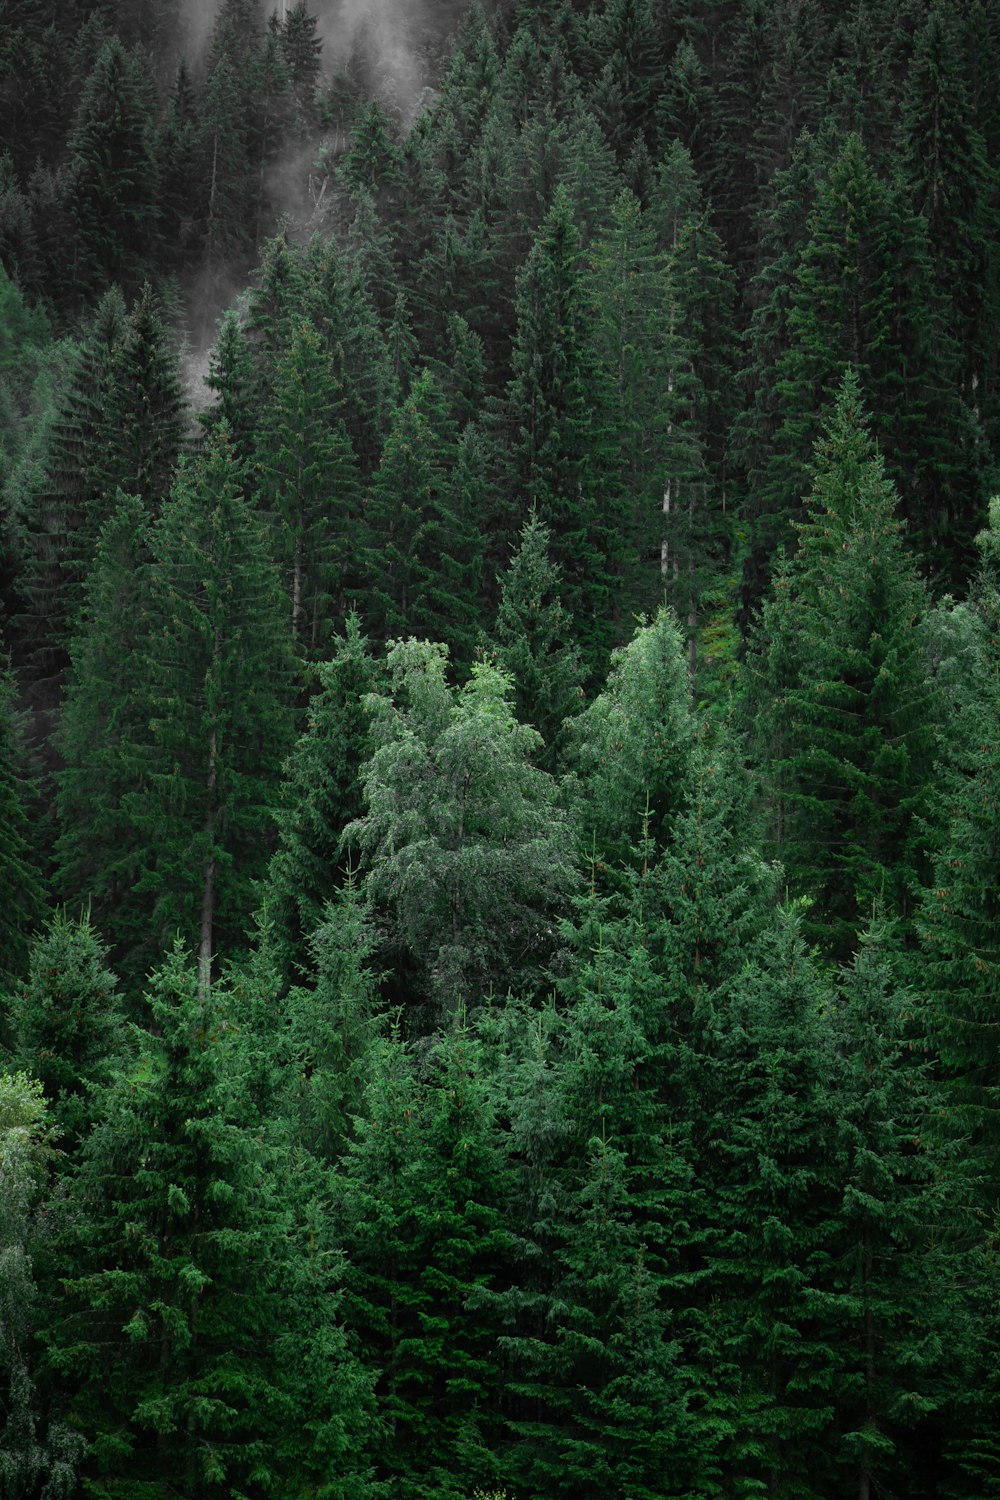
(421, 540)
(847, 701)
(533, 641)
(321, 795)
(218, 696)
(558, 429)
(901, 1322)
(309, 481)
(102, 720)
(422, 1195)
(114, 169)
(68, 1024)
(197, 1317)
(21, 889)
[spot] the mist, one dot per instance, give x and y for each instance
(389, 37)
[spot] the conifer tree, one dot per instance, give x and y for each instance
(532, 640)
(115, 188)
(420, 547)
(321, 795)
(856, 720)
(199, 1331)
(309, 481)
(903, 1222)
(558, 427)
(144, 414)
(421, 1199)
(102, 718)
(67, 1029)
(218, 696)
(65, 507)
(959, 919)
(21, 891)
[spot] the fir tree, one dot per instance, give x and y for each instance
(321, 795)
(21, 891)
(114, 178)
(308, 478)
(218, 692)
(855, 721)
(68, 1024)
(179, 1375)
(532, 640)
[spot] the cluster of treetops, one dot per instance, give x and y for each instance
(500, 808)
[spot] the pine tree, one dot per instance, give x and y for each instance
(115, 184)
(102, 719)
(533, 642)
(321, 795)
(309, 481)
(558, 428)
(219, 690)
(958, 916)
(853, 726)
(67, 1030)
(420, 548)
(904, 1218)
(196, 1319)
(421, 1198)
(21, 891)
(144, 415)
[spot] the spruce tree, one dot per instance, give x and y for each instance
(196, 1318)
(218, 696)
(102, 721)
(111, 148)
(67, 1030)
(321, 794)
(308, 480)
(422, 1194)
(855, 724)
(558, 431)
(421, 545)
(959, 916)
(21, 889)
(533, 641)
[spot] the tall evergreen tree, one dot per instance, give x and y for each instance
(67, 1029)
(321, 795)
(196, 1321)
(96, 858)
(21, 898)
(557, 421)
(218, 695)
(855, 721)
(111, 148)
(533, 641)
(309, 481)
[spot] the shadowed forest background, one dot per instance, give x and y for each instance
(499, 750)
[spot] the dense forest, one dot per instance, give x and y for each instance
(500, 750)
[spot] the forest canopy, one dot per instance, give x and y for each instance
(499, 750)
